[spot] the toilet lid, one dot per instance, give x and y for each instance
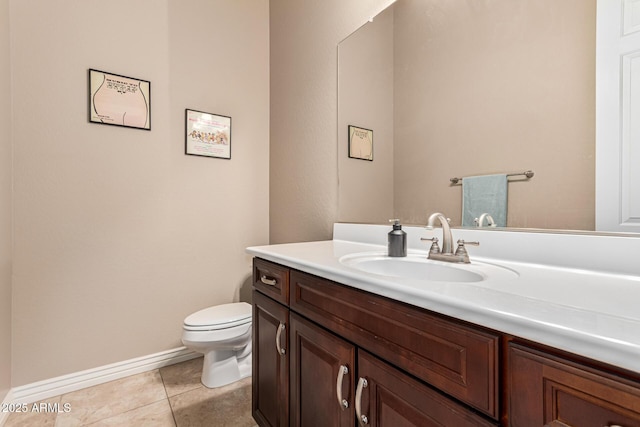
(219, 316)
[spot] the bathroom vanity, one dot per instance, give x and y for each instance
(335, 345)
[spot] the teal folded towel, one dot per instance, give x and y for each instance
(484, 194)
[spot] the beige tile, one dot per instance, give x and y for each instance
(228, 406)
(113, 398)
(41, 414)
(182, 377)
(157, 414)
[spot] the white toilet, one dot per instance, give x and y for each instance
(223, 334)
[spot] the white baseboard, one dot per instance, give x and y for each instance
(40, 390)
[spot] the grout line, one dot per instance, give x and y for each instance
(196, 387)
(166, 392)
(131, 410)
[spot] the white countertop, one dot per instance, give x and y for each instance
(594, 313)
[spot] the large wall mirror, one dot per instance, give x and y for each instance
(455, 88)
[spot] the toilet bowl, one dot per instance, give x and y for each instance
(223, 334)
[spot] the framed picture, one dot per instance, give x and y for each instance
(360, 143)
(207, 135)
(119, 101)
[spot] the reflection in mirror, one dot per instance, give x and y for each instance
(455, 88)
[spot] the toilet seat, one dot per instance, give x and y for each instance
(218, 317)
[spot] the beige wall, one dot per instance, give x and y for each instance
(365, 99)
(5, 203)
(504, 86)
(118, 234)
(303, 164)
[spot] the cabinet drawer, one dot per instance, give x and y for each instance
(271, 279)
(547, 390)
(457, 359)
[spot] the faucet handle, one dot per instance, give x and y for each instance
(461, 251)
(435, 248)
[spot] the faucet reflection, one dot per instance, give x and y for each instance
(490, 222)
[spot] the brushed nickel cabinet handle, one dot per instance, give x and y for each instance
(342, 371)
(268, 280)
(362, 419)
(281, 328)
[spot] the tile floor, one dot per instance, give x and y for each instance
(171, 396)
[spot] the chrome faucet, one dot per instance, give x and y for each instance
(446, 254)
(447, 238)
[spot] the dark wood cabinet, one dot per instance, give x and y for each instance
(308, 331)
(322, 372)
(546, 390)
(326, 355)
(389, 397)
(270, 402)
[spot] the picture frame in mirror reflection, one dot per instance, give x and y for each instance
(207, 135)
(360, 143)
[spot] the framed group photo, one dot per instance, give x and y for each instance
(207, 135)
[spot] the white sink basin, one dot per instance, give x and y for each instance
(420, 268)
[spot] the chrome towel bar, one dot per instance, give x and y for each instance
(527, 174)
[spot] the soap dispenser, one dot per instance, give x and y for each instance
(397, 246)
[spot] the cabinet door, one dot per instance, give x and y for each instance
(321, 387)
(545, 390)
(270, 362)
(386, 397)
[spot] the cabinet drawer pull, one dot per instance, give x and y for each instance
(362, 419)
(268, 280)
(342, 371)
(281, 328)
